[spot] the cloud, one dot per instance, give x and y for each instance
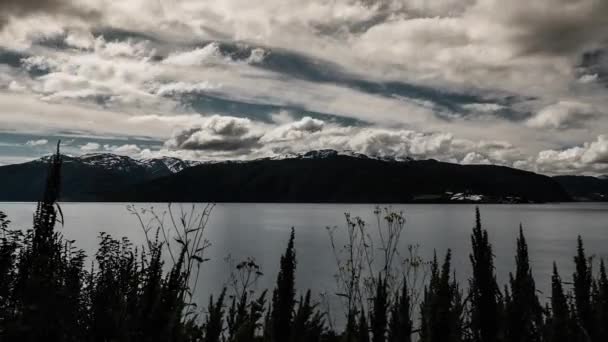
(216, 133)
(591, 157)
(483, 107)
(16, 87)
(126, 149)
(295, 130)
(587, 78)
(564, 115)
(214, 54)
(179, 88)
(455, 80)
(257, 56)
(24, 8)
(39, 142)
(558, 27)
(90, 147)
(228, 137)
(209, 53)
(474, 158)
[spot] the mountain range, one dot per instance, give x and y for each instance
(324, 176)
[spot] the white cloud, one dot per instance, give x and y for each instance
(171, 89)
(257, 56)
(294, 130)
(587, 78)
(207, 54)
(228, 137)
(591, 157)
(90, 147)
(483, 107)
(16, 86)
(80, 39)
(127, 149)
(39, 142)
(473, 158)
(563, 115)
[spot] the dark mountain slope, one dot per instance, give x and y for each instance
(584, 188)
(342, 178)
(83, 178)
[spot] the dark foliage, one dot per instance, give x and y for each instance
(401, 325)
(583, 281)
(600, 305)
(379, 314)
(283, 298)
(441, 309)
(215, 319)
(559, 323)
(308, 323)
(523, 310)
(484, 293)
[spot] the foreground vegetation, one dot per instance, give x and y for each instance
(387, 295)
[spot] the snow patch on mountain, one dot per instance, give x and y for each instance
(170, 165)
(328, 153)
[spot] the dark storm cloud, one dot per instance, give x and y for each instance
(24, 8)
(11, 58)
(594, 66)
(559, 27)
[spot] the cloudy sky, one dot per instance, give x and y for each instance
(518, 83)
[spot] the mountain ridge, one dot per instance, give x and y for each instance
(338, 178)
(314, 176)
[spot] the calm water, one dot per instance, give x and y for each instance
(261, 231)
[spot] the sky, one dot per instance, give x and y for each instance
(517, 83)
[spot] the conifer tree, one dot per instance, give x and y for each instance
(484, 293)
(10, 241)
(308, 324)
(582, 292)
(214, 324)
(379, 319)
(400, 325)
(523, 309)
(441, 308)
(283, 299)
(600, 304)
(362, 328)
(560, 313)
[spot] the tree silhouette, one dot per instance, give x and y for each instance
(484, 293)
(379, 319)
(400, 325)
(523, 309)
(583, 280)
(560, 320)
(600, 304)
(283, 298)
(441, 308)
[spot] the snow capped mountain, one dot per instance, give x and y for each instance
(111, 161)
(174, 165)
(156, 167)
(329, 153)
(164, 166)
(316, 176)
